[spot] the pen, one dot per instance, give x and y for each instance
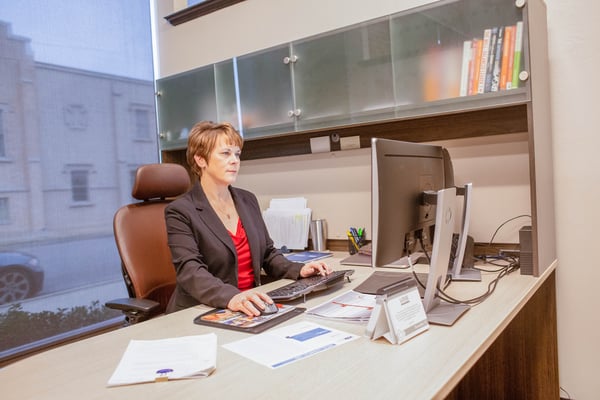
(356, 236)
(352, 240)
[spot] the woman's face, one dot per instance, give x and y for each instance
(223, 164)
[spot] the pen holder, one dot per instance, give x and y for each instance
(355, 242)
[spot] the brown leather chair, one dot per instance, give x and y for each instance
(141, 237)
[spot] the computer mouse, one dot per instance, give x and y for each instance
(269, 309)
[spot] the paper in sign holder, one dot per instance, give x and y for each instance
(398, 314)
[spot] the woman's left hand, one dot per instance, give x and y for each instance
(314, 268)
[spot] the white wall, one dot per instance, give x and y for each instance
(573, 32)
(337, 184)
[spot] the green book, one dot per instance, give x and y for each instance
(517, 57)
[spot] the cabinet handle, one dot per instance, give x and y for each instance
(294, 113)
(292, 59)
(520, 3)
(523, 76)
(162, 135)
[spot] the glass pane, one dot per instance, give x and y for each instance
(183, 100)
(344, 77)
(74, 76)
(227, 107)
(321, 78)
(265, 91)
(428, 48)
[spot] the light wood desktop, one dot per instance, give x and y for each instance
(502, 333)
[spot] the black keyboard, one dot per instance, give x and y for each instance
(305, 286)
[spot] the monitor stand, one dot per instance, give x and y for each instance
(438, 311)
(458, 272)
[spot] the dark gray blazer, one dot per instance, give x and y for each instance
(204, 255)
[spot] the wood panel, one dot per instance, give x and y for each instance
(478, 123)
(523, 361)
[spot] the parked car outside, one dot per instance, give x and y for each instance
(21, 277)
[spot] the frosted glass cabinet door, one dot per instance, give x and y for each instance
(227, 110)
(183, 100)
(265, 92)
(428, 47)
(341, 77)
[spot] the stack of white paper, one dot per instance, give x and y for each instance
(288, 221)
(165, 359)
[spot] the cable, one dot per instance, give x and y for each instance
(562, 389)
(479, 299)
(503, 270)
(506, 222)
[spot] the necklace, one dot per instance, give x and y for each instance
(222, 210)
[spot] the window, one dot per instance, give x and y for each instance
(2, 146)
(91, 60)
(142, 123)
(79, 185)
(4, 215)
(132, 173)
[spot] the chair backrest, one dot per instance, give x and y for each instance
(141, 235)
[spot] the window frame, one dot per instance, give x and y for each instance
(198, 10)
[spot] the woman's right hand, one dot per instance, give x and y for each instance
(250, 302)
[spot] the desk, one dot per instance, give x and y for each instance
(505, 347)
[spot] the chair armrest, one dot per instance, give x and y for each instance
(133, 305)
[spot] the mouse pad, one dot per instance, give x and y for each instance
(238, 321)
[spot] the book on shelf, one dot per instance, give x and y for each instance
(465, 66)
(483, 62)
(492, 62)
(507, 57)
(476, 51)
(489, 68)
(495, 81)
(517, 54)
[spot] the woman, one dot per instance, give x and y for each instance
(217, 236)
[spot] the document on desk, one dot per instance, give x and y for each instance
(288, 344)
(165, 359)
(351, 306)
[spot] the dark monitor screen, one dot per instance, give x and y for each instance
(401, 172)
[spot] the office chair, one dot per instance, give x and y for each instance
(141, 238)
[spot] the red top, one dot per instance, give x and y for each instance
(245, 271)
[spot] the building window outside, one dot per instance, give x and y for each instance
(76, 116)
(80, 189)
(132, 174)
(142, 123)
(4, 214)
(2, 145)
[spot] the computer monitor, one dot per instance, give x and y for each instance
(412, 192)
(401, 173)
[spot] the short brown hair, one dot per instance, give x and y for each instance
(203, 139)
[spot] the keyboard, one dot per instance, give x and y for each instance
(304, 286)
